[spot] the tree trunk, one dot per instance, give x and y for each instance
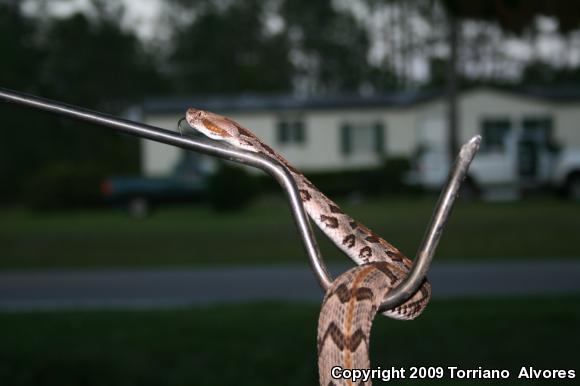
(452, 86)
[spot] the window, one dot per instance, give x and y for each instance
(538, 128)
(494, 131)
(291, 132)
(536, 134)
(357, 138)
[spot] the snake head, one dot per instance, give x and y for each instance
(221, 128)
(212, 125)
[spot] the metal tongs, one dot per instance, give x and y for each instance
(222, 150)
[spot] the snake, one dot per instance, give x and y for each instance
(352, 300)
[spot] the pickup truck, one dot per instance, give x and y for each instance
(523, 162)
(139, 195)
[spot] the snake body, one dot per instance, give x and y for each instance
(352, 300)
(344, 324)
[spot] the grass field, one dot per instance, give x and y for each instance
(265, 234)
(274, 344)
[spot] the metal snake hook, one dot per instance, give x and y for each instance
(221, 150)
(443, 208)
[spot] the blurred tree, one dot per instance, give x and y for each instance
(513, 16)
(329, 47)
(20, 57)
(93, 62)
(86, 61)
(541, 73)
(438, 73)
(250, 45)
(398, 27)
(228, 49)
(19, 51)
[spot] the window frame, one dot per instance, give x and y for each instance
(487, 143)
(291, 131)
(376, 130)
(547, 130)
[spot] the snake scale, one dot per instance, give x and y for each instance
(352, 300)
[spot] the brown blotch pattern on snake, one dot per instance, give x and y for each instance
(396, 256)
(335, 209)
(349, 241)
(364, 293)
(305, 195)
(365, 253)
(335, 334)
(384, 269)
(373, 239)
(331, 222)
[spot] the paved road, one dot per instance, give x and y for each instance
(182, 287)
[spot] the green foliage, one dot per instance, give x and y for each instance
(19, 52)
(317, 45)
(109, 68)
(29, 241)
(438, 70)
(89, 62)
(540, 73)
(231, 189)
(387, 179)
(17, 70)
(227, 50)
(64, 186)
(334, 45)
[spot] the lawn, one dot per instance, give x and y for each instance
(264, 233)
(274, 344)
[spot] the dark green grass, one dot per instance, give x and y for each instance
(275, 344)
(265, 234)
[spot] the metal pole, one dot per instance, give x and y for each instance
(435, 229)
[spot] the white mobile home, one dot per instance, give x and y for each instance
(353, 132)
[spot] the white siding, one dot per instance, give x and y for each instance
(325, 141)
(479, 104)
(158, 159)
(401, 132)
(485, 103)
(567, 125)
